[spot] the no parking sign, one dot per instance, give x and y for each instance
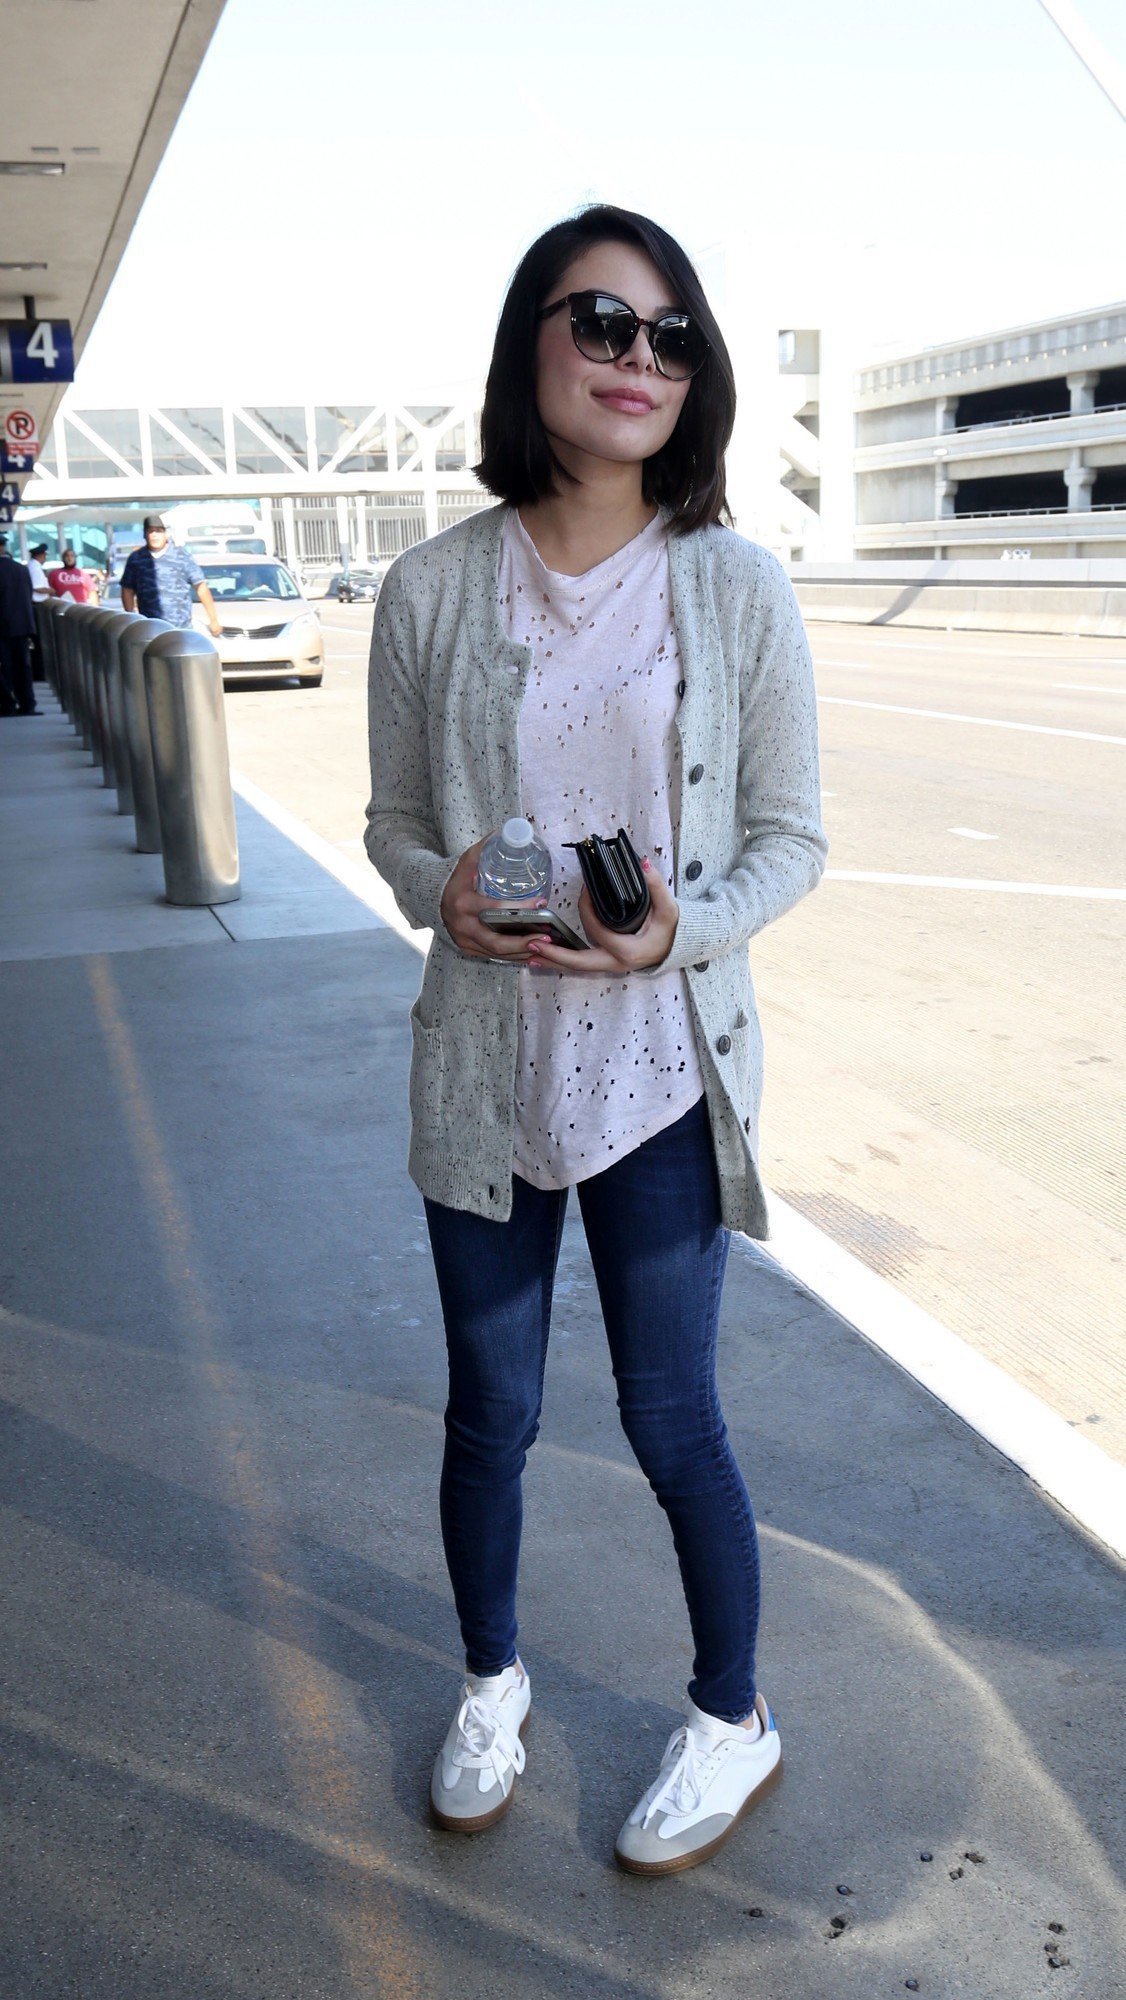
(21, 435)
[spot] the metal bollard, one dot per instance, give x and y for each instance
(131, 642)
(71, 640)
(45, 635)
(100, 659)
(78, 628)
(108, 633)
(64, 644)
(188, 727)
(57, 608)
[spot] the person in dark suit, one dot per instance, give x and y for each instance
(17, 627)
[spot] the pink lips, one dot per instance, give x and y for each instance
(633, 400)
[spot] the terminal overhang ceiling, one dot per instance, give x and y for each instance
(92, 91)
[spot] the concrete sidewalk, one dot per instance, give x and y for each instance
(229, 1648)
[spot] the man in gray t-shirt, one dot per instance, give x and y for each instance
(160, 579)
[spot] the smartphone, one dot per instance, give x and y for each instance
(534, 923)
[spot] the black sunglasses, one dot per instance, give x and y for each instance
(604, 328)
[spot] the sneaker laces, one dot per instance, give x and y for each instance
(681, 1789)
(484, 1741)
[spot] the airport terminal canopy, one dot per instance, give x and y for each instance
(82, 141)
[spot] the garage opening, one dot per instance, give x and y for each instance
(1110, 389)
(1012, 402)
(1022, 493)
(1109, 488)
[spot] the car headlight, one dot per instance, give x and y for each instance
(306, 622)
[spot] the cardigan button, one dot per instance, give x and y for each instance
(723, 1046)
(695, 774)
(703, 965)
(746, 1124)
(492, 1194)
(694, 870)
(680, 686)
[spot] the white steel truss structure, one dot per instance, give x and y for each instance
(367, 478)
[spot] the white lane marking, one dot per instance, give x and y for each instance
(1068, 1466)
(970, 833)
(828, 795)
(979, 721)
(1082, 687)
(975, 882)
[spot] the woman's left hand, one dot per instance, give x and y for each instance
(611, 952)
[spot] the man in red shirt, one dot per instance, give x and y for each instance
(70, 581)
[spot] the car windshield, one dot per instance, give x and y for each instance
(238, 583)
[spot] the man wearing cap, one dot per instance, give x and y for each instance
(40, 586)
(158, 580)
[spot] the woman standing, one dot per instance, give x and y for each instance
(598, 651)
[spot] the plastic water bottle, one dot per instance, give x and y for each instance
(514, 864)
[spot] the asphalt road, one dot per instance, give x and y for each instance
(945, 1083)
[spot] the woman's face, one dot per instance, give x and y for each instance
(620, 410)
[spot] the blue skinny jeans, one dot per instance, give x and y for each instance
(659, 1251)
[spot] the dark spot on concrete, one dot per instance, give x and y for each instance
(891, 1247)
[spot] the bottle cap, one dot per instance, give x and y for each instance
(518, 832)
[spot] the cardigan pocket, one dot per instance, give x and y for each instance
(427, 1079)
(742, 1070)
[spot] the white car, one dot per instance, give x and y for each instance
(269, 629)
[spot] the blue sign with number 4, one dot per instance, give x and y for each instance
(36, 350)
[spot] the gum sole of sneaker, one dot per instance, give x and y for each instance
(451, 1824)
(677, 1863)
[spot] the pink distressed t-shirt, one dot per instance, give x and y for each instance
(603, 1064)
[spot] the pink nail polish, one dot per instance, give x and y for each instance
(645, 864)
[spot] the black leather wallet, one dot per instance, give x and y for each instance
(615, 880)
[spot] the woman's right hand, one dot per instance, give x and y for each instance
(460, 912)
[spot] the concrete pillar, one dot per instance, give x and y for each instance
(429, 485)
(945, 411)
(344, 527)
(363, 549)
(293, 551)
(944, 490)
(1082, 388)
(1080, 479)
(840, 361)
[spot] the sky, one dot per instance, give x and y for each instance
(350, 185)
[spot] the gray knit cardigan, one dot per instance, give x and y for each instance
(445, 688)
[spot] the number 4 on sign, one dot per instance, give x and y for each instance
(9, 494)
(41, 345)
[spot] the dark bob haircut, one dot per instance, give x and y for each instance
(687, 476)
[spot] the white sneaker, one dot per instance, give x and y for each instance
(711, 1774)
(476, 1769)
